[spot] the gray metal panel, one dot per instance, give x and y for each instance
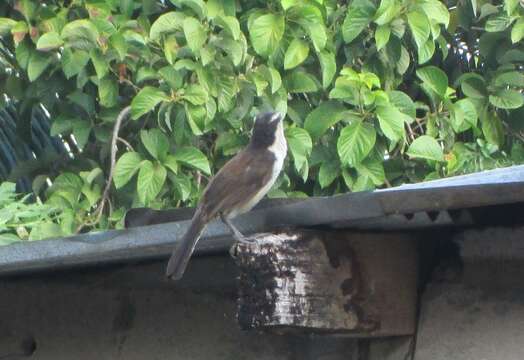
(499, 176)
(376, 209)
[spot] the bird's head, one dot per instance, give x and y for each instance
(267, 127)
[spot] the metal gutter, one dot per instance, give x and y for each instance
(402, 207)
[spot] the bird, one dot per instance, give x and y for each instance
(236, 188)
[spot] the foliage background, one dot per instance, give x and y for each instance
(376, 92)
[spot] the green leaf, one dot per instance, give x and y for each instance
(435, 78)
(348, 179)
(391, 122)
(166, 23)
(265, 33)
(299, 140)
(23, 52)
(346, 89)
(517, 32)
(382, 36)
(45, 230)
(317, 34)
(323, 117)
(498, 22)
(426, 147)
(227, 7)
(230, 24)
(198, 6)
(426, 51)
(146, 100)
(511, 56)
(145, 73)
(61, 125)
(19, 31)
(171, 49)
(235, 49)
(492, 128)
(171, 76)
(104, 26)
(81, 131)
(370, 170)
(386, 12)
(80, 34)
(296, 53)
(83, 100)
(7, 238)
(510, 78)
(420, 27)
(328, 172)
(6, 25)
(49, 41)
(473, 85)
(73, 62)
(511, 6)
(301, 82)
(436, 10)
(196, 118)
(108, 92)
(274, 79)
(193, 157)
(355, 142)
(404, 60)
(171, 163)
(38, 62)
(227, 90)
(507, 99)
(99, 62)
(403, 102)
(151, 178)
(467, 115)
(155, 142)
(182, 185)
(195, 34)
(229, 143)
(300, 145)
(195, 94)
(329, 67)
(360, 14)
(118, 42)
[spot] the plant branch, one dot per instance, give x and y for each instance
(126, 143)
(105, 195)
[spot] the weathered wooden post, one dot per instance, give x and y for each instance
(362, 284)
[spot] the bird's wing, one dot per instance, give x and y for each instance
(237, 182)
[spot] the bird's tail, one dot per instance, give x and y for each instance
(180, 257)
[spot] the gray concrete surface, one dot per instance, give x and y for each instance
(132, 313)
(479, 314)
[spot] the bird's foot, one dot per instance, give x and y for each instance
(237, 235)
(243, 240)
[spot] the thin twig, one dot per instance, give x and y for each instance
(123, 114)
(410, 130)
(127, 144)
(105, 195)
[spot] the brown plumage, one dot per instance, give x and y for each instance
(237, 187)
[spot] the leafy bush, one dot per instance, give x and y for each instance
(21, 219)
(376, 93)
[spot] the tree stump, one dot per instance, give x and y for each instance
(355, 283)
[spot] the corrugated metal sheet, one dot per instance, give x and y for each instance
(437, 203)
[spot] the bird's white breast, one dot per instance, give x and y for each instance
(279, 149)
